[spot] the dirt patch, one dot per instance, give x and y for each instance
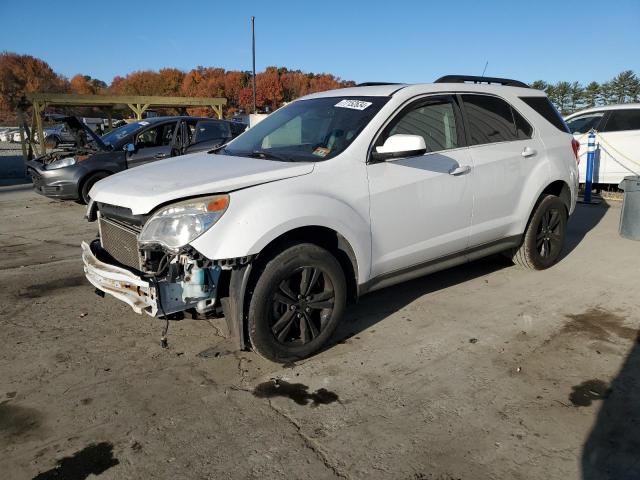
(17, 422)
(94, 459)
(599, 324)
(584, 394)
(296, 392)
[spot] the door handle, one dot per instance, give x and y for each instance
(462, 169)
(160, 155)
(528, 152)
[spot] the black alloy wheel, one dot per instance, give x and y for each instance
(302, 305)
(297, 302)
(549, 239)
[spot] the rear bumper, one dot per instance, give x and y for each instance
(139, 294)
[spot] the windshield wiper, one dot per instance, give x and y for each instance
(269, 156)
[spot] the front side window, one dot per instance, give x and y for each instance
(584, 123)
(308, 130)
(120, 134)
(157, 136)
(621, 120)
(491, 120)
(433, 119)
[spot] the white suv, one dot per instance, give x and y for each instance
(618, 128)
(333, 196)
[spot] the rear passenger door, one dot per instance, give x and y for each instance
(505, 156)
(619, 140)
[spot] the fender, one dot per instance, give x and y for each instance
(257, 216)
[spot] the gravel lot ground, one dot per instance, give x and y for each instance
(484, 371)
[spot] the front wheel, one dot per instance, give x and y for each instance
(88, 183)
(297, 303)
(544, 238)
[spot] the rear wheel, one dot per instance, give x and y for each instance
(297, 303)
(545, 235)
(90, 182)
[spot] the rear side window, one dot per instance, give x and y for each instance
(523, 128)
(621, 120)
(492, 120)
(545, 108)
(208, 130)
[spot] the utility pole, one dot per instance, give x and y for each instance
(253, 51)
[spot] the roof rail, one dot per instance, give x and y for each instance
(374, 84)
(470, 78)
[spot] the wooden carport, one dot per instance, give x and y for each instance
(137, 103)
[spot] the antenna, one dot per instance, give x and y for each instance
(485, 69)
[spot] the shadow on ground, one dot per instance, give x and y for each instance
(380, 304)
(612, 450)
(584, 219)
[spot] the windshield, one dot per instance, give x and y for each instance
(115, 136)
(308, 130)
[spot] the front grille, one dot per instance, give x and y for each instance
(120, 241)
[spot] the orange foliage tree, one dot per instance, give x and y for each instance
(20, 74)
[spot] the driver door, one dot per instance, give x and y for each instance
(421, 206)
(153, 143)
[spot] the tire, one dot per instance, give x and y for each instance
(298, 300)
(88, 183)
(545, 235)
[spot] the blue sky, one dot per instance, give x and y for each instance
(401, 41)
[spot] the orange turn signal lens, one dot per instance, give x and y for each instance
(220, 203)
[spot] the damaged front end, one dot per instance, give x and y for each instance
(150, 277)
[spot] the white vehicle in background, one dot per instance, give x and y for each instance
(335, 195)
(618, 137)
(7, 134)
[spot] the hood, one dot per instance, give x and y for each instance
(77, 126)
(143, 188)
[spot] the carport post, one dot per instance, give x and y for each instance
(37, 110)
(591, 153)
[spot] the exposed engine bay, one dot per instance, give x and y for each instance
(163, 282)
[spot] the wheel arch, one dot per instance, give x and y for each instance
(242, 280)
(558, 188)
(88, 175)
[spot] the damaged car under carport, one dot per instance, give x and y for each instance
(70, 173)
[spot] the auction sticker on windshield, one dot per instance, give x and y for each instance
(353, 104)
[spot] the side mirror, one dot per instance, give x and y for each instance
(129, 148)
(400, 146)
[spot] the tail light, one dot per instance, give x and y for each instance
(576, 149)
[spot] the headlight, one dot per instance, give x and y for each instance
(176, 225)
(61, 163)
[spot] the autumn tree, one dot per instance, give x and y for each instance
(22, 74)
(85, 85)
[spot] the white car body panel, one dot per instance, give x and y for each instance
(419, 212)
(148, 186)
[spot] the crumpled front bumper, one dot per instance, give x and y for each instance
(121, 283)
